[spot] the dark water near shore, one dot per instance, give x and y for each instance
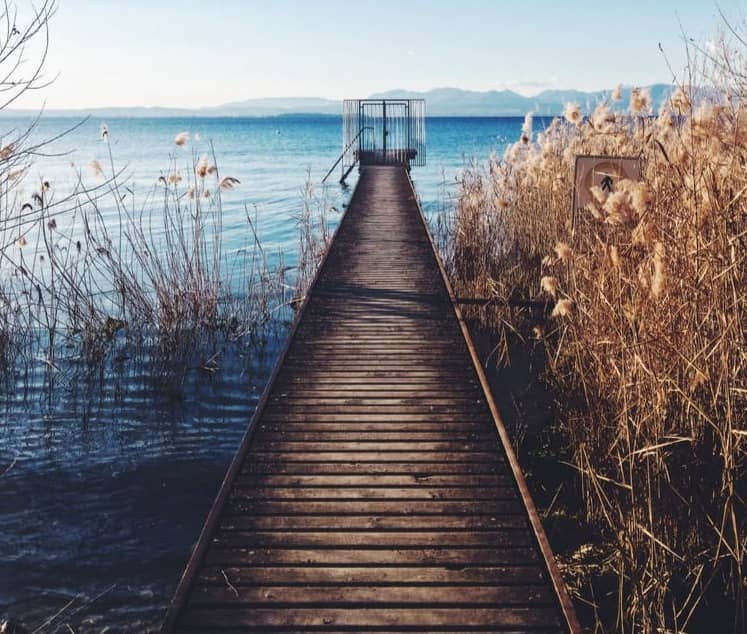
(107, 475)
(109, 480)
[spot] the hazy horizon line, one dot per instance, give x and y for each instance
(330, 100)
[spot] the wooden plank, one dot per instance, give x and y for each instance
(375, 427)
(237, 506)
(524, 575)
(385, 403)
(368, 389)
(390, 411)
(380, 522)
(370, 539)
(373, 493)
(377, 456)
(258, 465)
(351, 434)
(363, 446)
(276, 415)
(253, 617)
(218, 555)
(363, 596)
(329, 374)
(399, 392)
(373, 480)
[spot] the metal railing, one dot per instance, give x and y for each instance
(381, 132)
(394, 130)
(397, 132)
(337, 162)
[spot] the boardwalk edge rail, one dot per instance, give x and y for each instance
(198, 552)
(566, 604)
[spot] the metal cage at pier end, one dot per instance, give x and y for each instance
(382, 132)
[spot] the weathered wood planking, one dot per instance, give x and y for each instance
(375, 489)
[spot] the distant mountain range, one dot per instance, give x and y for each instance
(444, 102)
(440, 102)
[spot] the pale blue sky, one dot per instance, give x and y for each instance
(187, 53)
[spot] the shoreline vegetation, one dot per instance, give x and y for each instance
(102, 264)
(644, 347)
(81, 268)
(104, 261)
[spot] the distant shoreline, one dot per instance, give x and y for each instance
(445, 102)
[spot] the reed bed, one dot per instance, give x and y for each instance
(645, 342)
(105, 260)
(101, 263)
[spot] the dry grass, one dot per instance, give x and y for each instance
(646, 340)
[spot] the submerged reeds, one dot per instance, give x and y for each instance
(647, 340)
(101, 262)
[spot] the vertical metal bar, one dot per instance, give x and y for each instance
(345, 107)
(347, 138)
(422, 106)
(383, 117)
(400, 140)
(396, 141)
(360, 129)
(409, 131)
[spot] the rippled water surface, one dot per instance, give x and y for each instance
(108, 483)
(108, 474)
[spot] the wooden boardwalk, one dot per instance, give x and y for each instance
(375, 490)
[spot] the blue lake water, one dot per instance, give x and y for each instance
(270, 156)
(106, 476)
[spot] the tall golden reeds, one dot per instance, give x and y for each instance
(647, 340)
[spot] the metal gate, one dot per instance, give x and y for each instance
(383, 132)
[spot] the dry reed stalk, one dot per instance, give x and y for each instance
(314, 236)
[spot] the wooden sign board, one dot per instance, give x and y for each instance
(604, 172)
